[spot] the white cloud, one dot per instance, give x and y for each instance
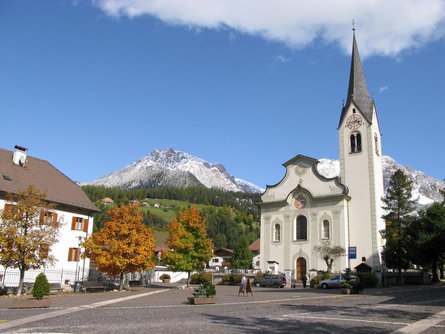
(282, 59)
(383, 27)
(232, 36)
(383, 88)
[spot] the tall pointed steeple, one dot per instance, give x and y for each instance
(357, 90)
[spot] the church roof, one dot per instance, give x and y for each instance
(357, 90)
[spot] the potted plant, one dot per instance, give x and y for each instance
(40, 289)
(204, 294)
(165, 278)
(348, 285)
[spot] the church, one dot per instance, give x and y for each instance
(306, 209)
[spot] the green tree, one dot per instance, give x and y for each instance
(191, 247)
(329, 253)
(399, 207)
(29, 227)
(242, 256)
(427, 237)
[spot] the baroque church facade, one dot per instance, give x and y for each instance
(306, 209)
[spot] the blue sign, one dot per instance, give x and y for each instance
(352, 253)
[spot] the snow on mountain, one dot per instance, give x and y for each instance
(177, 169)
(180, 169)
(425, 188)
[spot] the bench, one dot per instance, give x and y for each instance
(92, 285)
(55, 287)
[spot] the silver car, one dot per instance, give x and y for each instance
(335, 282)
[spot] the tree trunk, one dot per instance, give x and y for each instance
(21, 279)
(188, 279)
(121, 282)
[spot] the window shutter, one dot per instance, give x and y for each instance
(70, 254)
(54, 219)
(77, 254)
(42, 217)
(73, 223)
(7, 208)
(85, 225)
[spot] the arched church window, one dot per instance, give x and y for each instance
(277, 232)
(325, 229)
(356, 142)
(301, 228)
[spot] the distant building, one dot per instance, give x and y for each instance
(255, 249)
(107, 200)
(306, 209)
(72, 207)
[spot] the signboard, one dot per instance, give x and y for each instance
(352, 253)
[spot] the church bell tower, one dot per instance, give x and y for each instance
(361, 169)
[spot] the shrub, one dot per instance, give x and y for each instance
(200, 278)
(206, 288)
(259, 275)
(368, 279)
(41, 287)
(232, 278)
(164, 276)
(226, 278)
(315, 280)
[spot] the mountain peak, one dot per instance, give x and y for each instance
(175, 168)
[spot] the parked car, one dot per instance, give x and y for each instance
(271, 280)
(334, 282)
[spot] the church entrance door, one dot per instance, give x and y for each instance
(301, 267)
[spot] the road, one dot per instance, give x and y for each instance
(400, 310)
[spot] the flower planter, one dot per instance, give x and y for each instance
(166, 280)
(202, 300)
(31, 303)
(347, 291)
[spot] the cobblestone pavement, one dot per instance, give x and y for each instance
(159, 309)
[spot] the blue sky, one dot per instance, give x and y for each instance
(92, 86)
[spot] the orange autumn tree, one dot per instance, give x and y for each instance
(191, 247)
(29, 227)
(123, 245)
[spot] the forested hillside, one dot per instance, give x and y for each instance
(229, 215)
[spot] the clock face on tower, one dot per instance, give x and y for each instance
(354, 121)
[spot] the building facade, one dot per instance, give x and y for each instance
(305, 209)
(73, 210)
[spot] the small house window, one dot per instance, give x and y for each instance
(325, 229)
(277, 232)
(48, 218)
(74, 254)
(356, 142)
(79, 224)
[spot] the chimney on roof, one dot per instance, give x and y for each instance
(19, 157)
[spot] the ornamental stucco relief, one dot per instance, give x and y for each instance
(301, 168)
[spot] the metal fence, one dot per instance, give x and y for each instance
(10, 277)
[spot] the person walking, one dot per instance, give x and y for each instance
(304, 279)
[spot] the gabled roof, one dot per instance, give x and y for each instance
(255, 246)
(46, 178)
(358, 90)
(223, 252)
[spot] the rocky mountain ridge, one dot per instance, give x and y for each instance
(179, 169)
